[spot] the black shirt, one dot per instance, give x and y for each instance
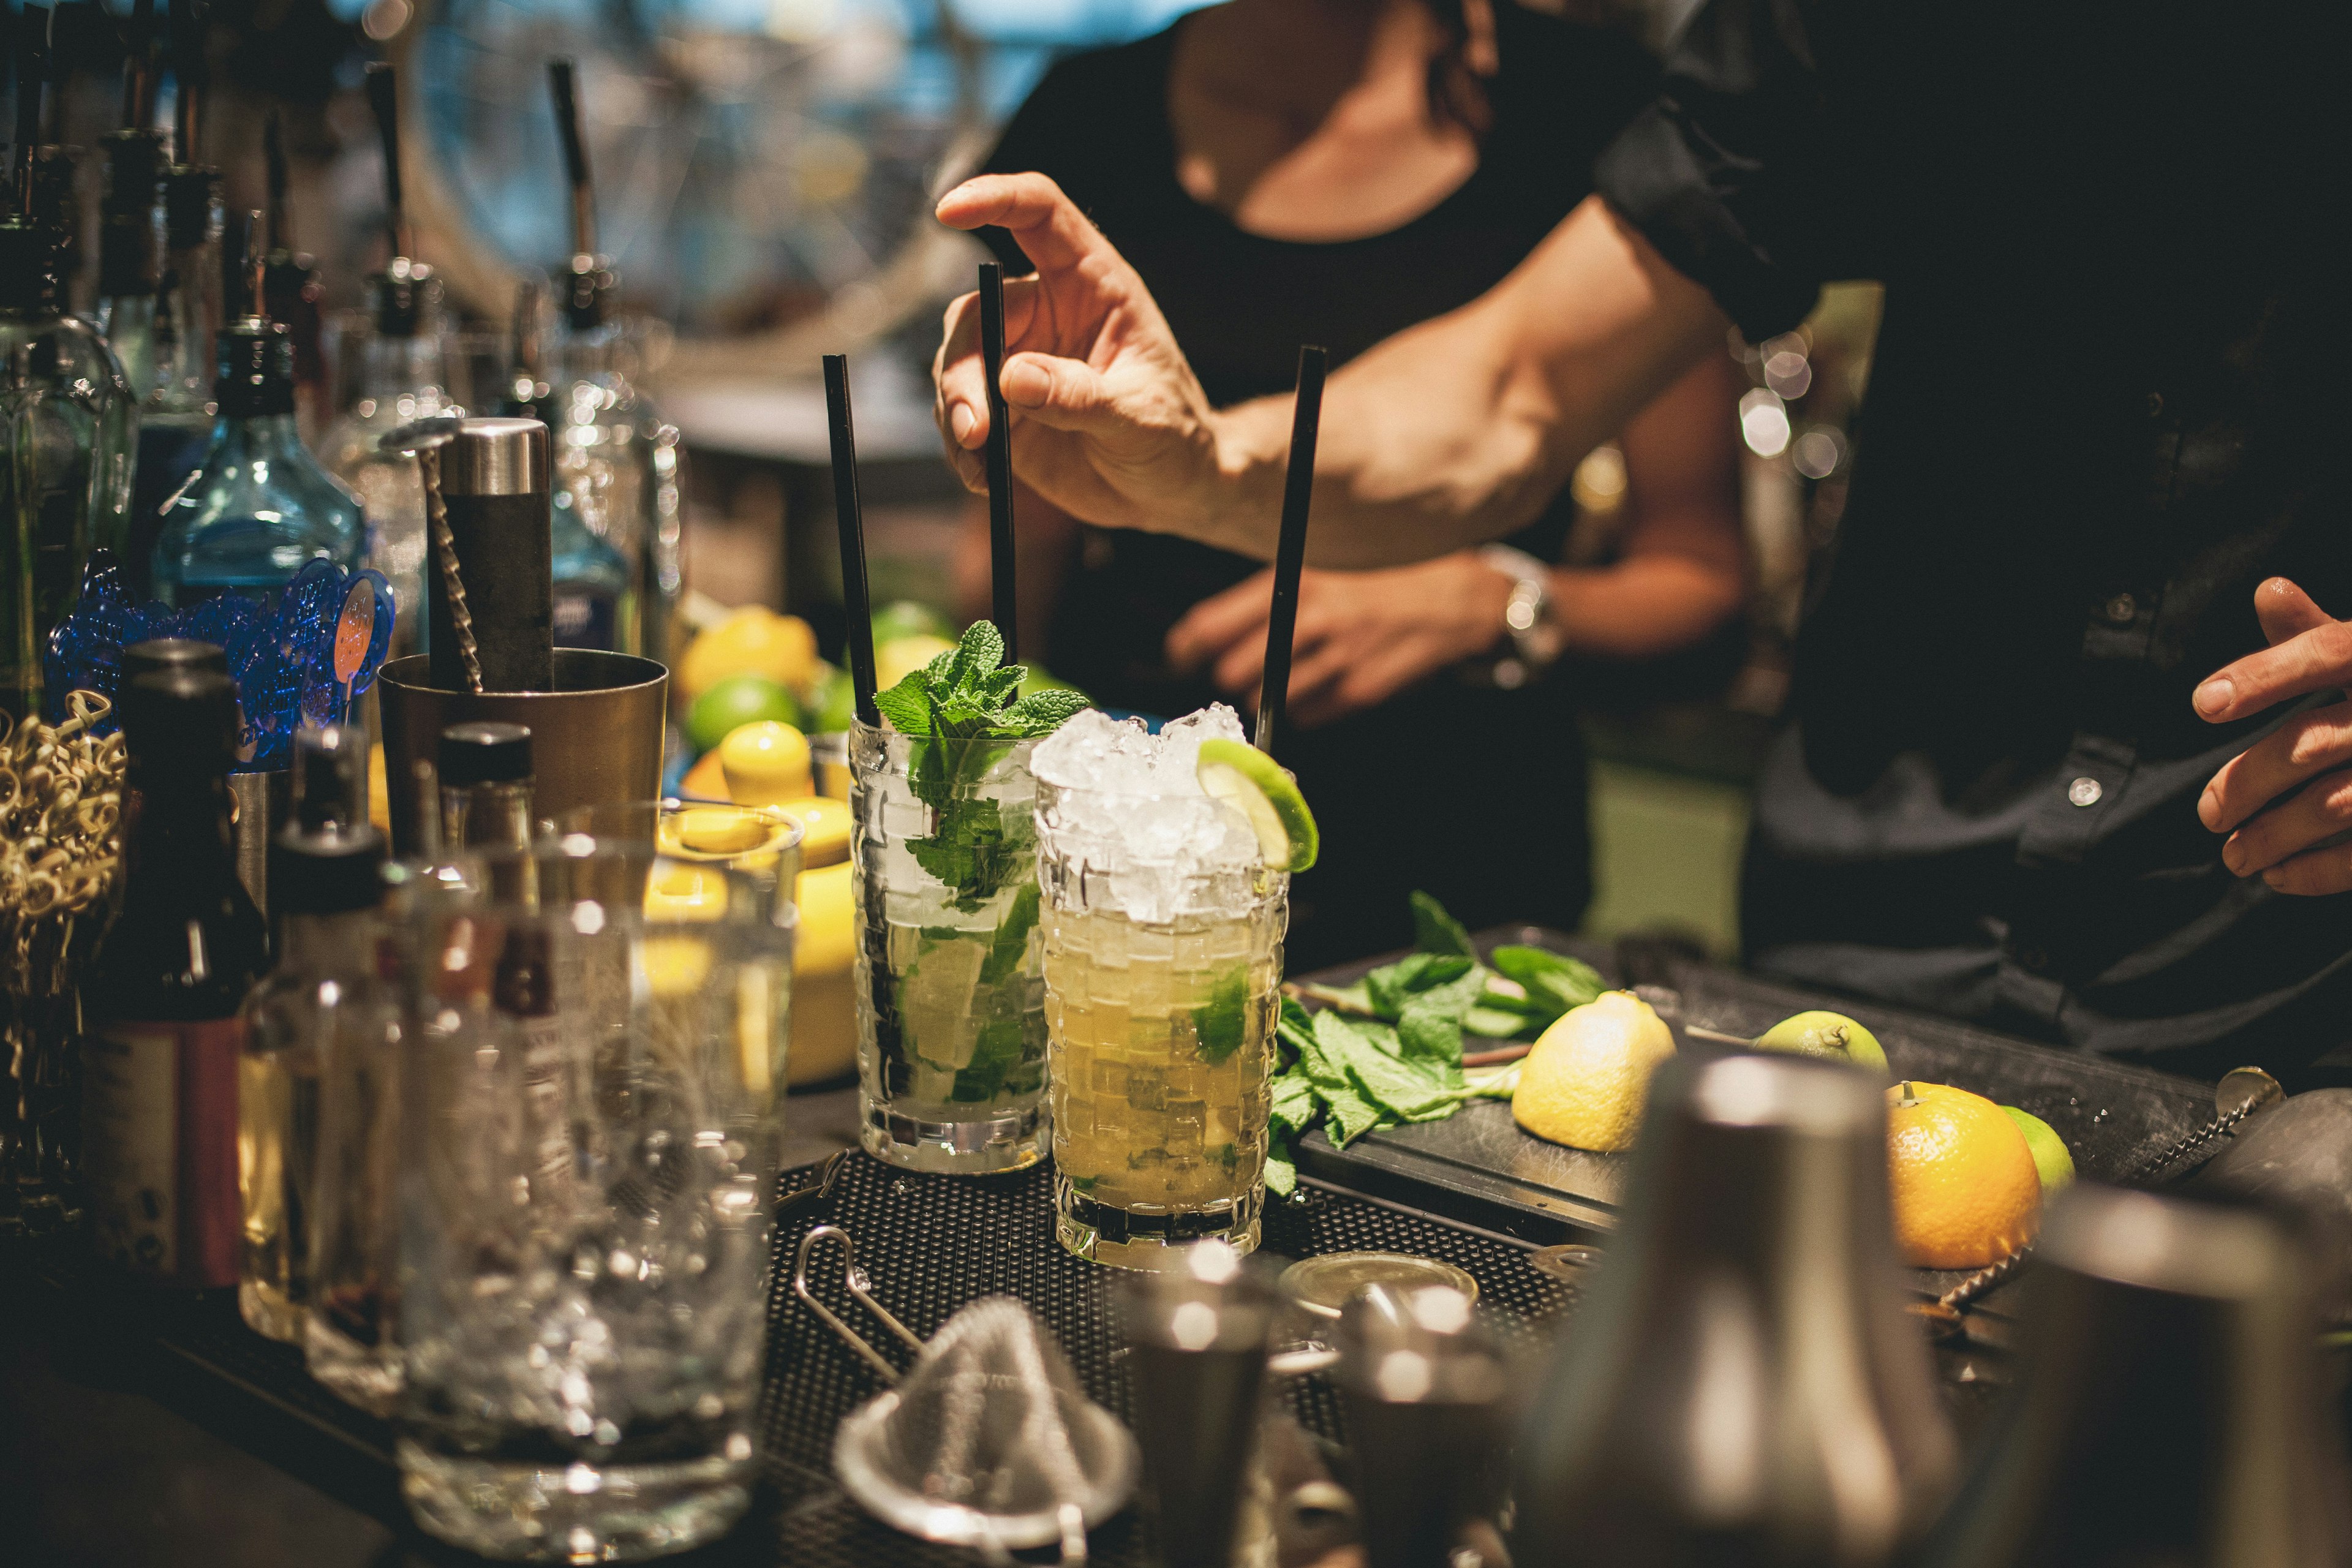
(1385, 781)
(2109, 398)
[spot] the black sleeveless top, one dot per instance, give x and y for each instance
(1241, 305)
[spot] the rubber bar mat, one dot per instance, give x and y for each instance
(929, 1244)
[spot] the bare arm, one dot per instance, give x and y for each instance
(1454, 431)
(1684, 568)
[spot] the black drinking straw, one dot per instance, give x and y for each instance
(1290, 549)
(851, 517)
(998, 455)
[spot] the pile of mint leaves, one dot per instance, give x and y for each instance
(1387, 1050)
(962, 712)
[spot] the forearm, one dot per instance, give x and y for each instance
(1642, 607)
(1462, 428)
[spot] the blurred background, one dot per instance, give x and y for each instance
(765, 171)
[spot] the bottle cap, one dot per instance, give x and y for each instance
(496, 456)
(480, 753)
(182, 716)
(329, 858)
(171, 653)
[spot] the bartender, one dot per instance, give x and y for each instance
(2065, 755)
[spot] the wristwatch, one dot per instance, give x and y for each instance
(1527, 616)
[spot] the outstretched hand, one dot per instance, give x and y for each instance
(2281, 798)
(1109, 422)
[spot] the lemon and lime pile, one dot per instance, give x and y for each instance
(1966, 1176)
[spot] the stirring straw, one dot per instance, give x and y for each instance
(1290, 549)
(998, 455)
(851, 517)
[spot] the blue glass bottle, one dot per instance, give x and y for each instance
(595, 604)
(260, 507)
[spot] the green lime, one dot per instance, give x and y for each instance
(835, 703)
(2051, 1159)
(906, 618)
(1831, 1035)
(736, 701)
(1259, 788)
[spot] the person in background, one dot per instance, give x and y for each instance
(1285, 171)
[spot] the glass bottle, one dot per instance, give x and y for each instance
(179, 407)
(67, 421)
(160, 1068)
(260, 507)
(293, 288)
(318, 1015)
(129, 241)
(594, 596)
(617, 464)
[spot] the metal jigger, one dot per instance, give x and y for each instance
(2171, 1413)
(595, 718)
(1742, 1385)
(1196, 1339)
(1422, 1385)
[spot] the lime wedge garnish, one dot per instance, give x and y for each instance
(1259, 788)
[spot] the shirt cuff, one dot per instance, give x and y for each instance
(1685, 205)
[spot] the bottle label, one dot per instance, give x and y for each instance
(586, 617)
(158, 1148)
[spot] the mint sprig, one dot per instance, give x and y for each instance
(960, 713)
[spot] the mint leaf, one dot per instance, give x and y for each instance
(1434, 931)
(907, 705)
(1281, 1170)
(995, 688)
(981, 650)
(1295, 1027)
(1043, 712)
(1220, 1024)
(1492, 1023)
(1292, 1103)
(1388, 986)
(1554, 981)
(1012, 941)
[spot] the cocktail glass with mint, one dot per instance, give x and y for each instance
(951, 1021)
(1165, 862)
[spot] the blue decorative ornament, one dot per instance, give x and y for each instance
(300, 656)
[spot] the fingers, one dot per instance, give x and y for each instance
(1048, 226)
(2285, 610)
(2298, 752)
(2320, 810)
(2313, 659)
(1060, 394)
(2313, 874)
(1221, 620)
(959, 389)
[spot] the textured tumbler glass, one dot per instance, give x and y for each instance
(1162, 984)
(594, 1108)
(950, 1007)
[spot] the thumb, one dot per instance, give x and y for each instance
(1059, 393)
(2285, 610)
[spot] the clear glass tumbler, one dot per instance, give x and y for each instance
(950, 1005)
(1162, 985)
(592, 1119)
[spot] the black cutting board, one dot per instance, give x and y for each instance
(1477, 1168)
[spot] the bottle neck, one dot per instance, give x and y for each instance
(405, 371)
(487, 816)
(257, 435)
(181, 849)
(342, 943)
(185, 357)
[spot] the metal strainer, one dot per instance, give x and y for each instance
(987, 1441)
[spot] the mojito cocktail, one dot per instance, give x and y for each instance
(943, 848)
(1163, 930)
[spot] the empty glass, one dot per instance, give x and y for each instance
(594, 1108)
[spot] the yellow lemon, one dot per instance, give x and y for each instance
(753, 641)
(680, 891)
(379, 791)
(901, 656)
(824, 829)
(1586, 1081)
(824, 1003)
(765, 764)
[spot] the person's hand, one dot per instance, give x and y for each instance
(1361, 637)
(1110, 425)
(2284, 793)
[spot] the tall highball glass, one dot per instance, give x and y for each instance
(594, 1113)
(1164, 969)
(950, 1005)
